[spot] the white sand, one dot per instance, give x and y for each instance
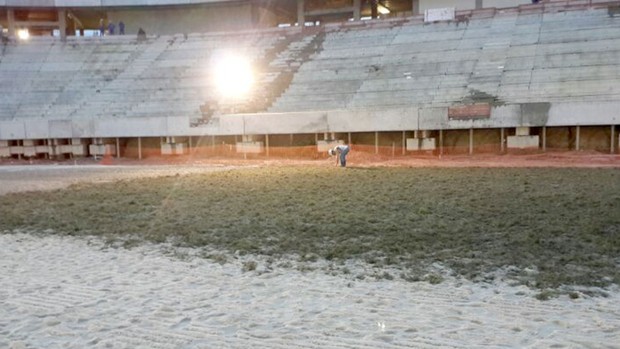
(65, 292)
(20, 178)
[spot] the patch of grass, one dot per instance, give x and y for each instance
(131, 243)
(563, 222)
(387, 276)
(573, 295)
(434, 279)
(546, 295)
(219, 258)
(249, 266)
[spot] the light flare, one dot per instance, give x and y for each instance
(233, 75)
(23, 34)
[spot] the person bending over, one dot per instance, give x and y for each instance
(340, 151)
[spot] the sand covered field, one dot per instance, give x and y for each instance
(257, 256)
(67, 292)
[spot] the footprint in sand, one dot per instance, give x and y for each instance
(181, 324)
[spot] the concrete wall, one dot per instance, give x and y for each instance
(504, 3)
(594, 138)
(458, 4)
(591, 138)
(457, 141)
(398, 119)
(263, 17)
(469, 4)
(198, 19)
(99, 128)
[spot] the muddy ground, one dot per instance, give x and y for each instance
(547, 228)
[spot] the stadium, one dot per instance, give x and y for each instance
(483, 78)
(165, 179)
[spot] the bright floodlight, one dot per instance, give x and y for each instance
(383, 10)
(233, 75)
(23, 34)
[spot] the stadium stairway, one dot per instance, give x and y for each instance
(276, 67)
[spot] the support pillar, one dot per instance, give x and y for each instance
(62, 24)
(290, 141)
(189, 145)
(301, 13)
(577, 140)
(357, 10)
(613, 139)
(139, 148)
(404, 143)
(544, 138)
(374, 9)
(502, 137)
(376, 142)
(471, 141)
(416, 7)
(440, 142)
(118, 148)
(10, 14)
(267, 145)
(349, 138)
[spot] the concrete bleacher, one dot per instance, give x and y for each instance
(115, 76)
(513, 56)
(331, 78)
(521, 55)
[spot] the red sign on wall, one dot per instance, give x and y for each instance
(468, 112)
